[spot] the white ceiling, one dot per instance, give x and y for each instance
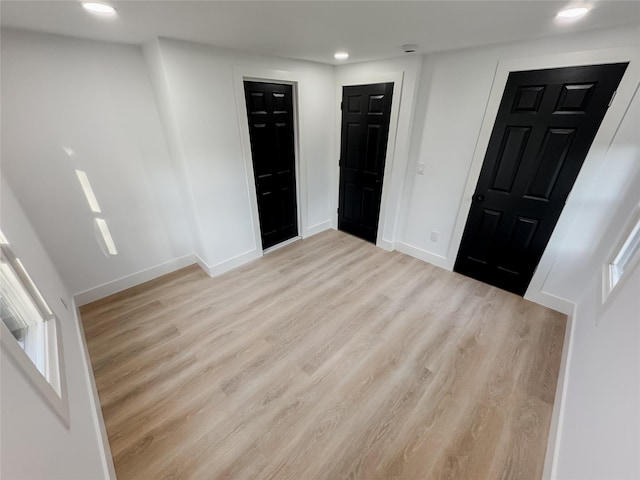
(314, 30)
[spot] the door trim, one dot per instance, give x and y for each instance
(282, 244)
(264, 75)
(387, 183)
(594, 158)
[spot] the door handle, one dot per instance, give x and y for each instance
(479, 197)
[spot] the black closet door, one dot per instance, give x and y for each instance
(544, 128)
(366, 110)
(270, 112)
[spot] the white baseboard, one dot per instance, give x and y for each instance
(239, 260)
(541, 298)
(550, 471)
(385, 245)
(202, 264)
(98, 419)
(281, 245)
(432, 258)
(225, 266)
(550, 301)
(317, 228)
(132, 280)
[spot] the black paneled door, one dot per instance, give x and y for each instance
(270, 111)
(366, 110)
(545, 125)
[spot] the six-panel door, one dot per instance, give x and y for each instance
(366, 110)
(545, 124)
(270, 111)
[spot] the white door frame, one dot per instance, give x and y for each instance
(365, 79)
(595, 156)
(257, 74)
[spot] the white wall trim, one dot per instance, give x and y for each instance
(128, 281)
(59, 404)
(230, 264)
(548, 300)
(559, 403)
(596, 153)
(317, 228)
(363, 79)
(202, 264)
(98, 420)
(260, 74)
(608, 294)
(386, 245)
(423, 255)
(282, 244)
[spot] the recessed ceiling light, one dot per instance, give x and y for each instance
(99, 8)
(573, 12)
(341, 55)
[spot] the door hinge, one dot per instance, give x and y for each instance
(338, 210)
(340, 162)
(341, 105)
(612, 97)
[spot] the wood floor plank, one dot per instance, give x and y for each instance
(326, 359)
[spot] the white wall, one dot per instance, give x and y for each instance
(599, 435)
(409, 67)
(95, 98)
(155, 66)
(454, 90)
(600, 430)
(35, 442)
(197, 85)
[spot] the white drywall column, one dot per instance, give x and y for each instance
(153, 57)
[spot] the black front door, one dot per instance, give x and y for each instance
(545, 124)
(270, 110)
(366, 110)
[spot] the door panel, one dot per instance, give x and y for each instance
(270, 112)
(509, 158)
(550, 162)
(544, 128)
(366, 111)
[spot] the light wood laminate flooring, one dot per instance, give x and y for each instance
(326, 359)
